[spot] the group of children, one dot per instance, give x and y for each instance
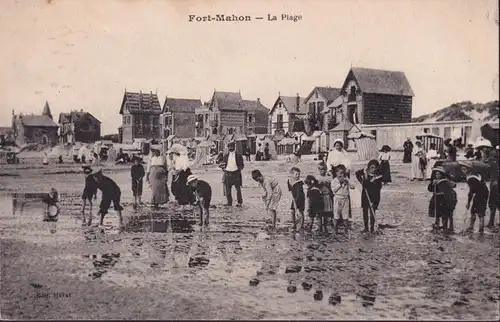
(325, 197)
(444, 200)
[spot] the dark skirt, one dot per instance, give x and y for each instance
(180, 190)
(493, 198)
(385, 168)
(407, 157)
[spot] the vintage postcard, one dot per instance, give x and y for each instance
(249, 160)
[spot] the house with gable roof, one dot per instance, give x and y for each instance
(140, 117)
(38, 129)
(230, 114)
(373, 96)
(179, 117)
(287, 115)
(79, 126)
(322, 104)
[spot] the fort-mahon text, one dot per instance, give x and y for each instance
(242, 18)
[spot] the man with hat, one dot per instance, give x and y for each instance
(232, 164)
(89, 193)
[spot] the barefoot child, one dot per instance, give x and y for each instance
(370, 197)
(296, 187)
(89, 193)
(137, 174)
(478, 194)
(110, 193)
(272, 196)
(324, 185)
(203, 195)
(443, 200)
(340, 190)
(314, 199)
(52, 200)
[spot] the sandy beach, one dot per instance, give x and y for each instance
(164, 267)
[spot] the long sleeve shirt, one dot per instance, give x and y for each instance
(156, 161)
(340, 190)
(271, 187)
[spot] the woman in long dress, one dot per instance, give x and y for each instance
(156, 175)
(432, 156)
(418, 162)
(385, 167)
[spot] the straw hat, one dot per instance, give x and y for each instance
(474, 177)
(191, 178)
(482, 142)
(87, 169)
(439, 169)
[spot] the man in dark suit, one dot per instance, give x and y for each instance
(232, 164)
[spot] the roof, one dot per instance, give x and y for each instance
(5, 130)
(378, 81)
(46, 110)
(344, 125)
(38, 121)
(290, 103)
(227, 96)
(329, 93)
(140, 102)
(74, 116)
(185, 105)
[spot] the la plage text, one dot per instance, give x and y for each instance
(242, 18)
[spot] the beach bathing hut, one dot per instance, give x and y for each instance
(341, 131)
(366, 146)
(428, 138)
(287, 146)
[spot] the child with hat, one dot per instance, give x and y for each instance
(203, 195)
(443, 200)
(89, 193)
(478, 195)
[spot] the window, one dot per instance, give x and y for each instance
(320, 107)
(447, 132)
(311, 108)
(316, 94)
(435, 130)
(353, 90)
(280, 104)
(230, 130)
(250, 118)
(206, 118)
(279, 121)
(155, 121)
(427, 130)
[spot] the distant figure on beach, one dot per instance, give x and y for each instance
(418, 162)
(432, 156)
(60, 159)
(407, 148)
(247, 153)
(385, 166)
(258, 154)
(451, 150)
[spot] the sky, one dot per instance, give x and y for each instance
(83, 54)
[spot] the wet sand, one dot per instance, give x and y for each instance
(165, 267)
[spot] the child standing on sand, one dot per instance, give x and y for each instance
(370, 197)
(325, 186)
(89, 193)
(296, 187)
(314, 200)
(340, 189)
(273, 194)
(137, 174)
(443, 200)
(478, 194)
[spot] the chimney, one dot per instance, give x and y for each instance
(258, 101)
(81, 110)
(151, 93)
(298, 102)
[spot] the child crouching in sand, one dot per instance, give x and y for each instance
(203, 194)
(52, 200)
(272, 196)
